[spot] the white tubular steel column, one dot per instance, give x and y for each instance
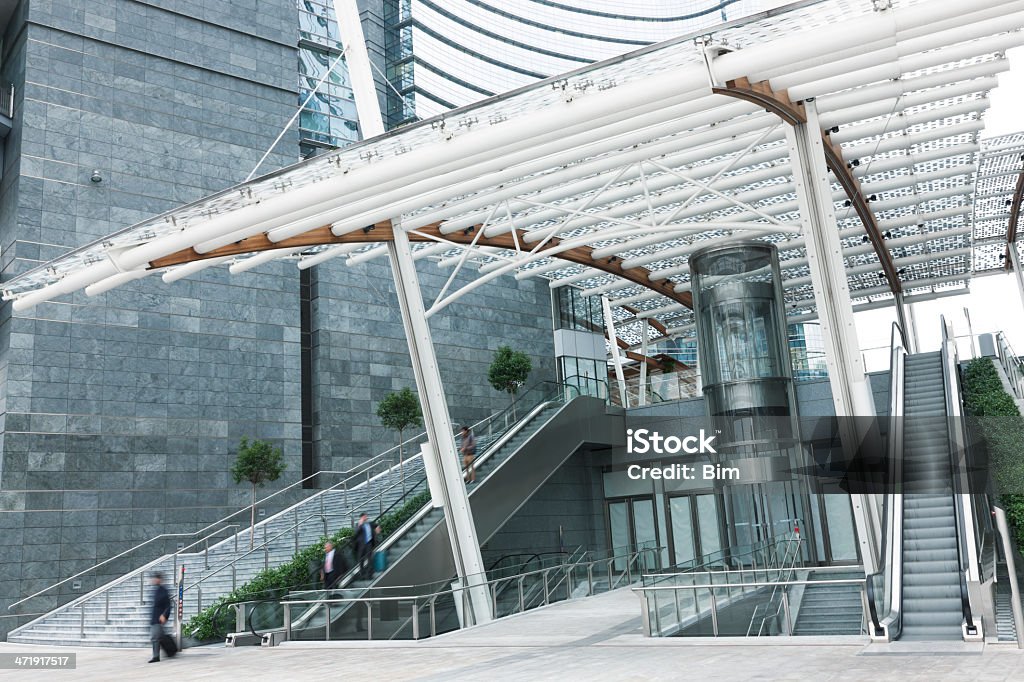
(851, 391)
(908, 322)
(609, 325)
(643, 366)
(441, 460)
(364, 89)
(442, 456)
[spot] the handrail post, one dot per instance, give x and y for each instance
(234, 577)
(287, 621)
(546, 595)
(415, 620)
(296, 517)
(369, 621)
(266, 556)
(206, 553)
(199, 597)
(714, 612)
(106, 607)
(433, 619)
(81, 622)
(327, 626)
(590, 579)
(522, 601)
(238, 532)
(785, 608)
(142, 587)
(323, 517)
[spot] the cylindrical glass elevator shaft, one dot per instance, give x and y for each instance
(747, 380)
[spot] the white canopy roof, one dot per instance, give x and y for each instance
(608, 177)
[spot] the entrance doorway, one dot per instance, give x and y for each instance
(695, 528)
(631, 525)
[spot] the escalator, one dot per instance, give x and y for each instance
(932, 606)
(932, 533)
(510, 468)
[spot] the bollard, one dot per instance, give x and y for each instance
(433, 620)
(415, 620)
(369, 621)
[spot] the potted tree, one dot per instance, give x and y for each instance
(508, 372)
(399, 411)
(257, 462)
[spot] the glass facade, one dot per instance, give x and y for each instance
(329, 118)
(443, 54)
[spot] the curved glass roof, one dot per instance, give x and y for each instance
(633, 163)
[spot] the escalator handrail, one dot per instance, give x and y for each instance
(967, 565)
(411, 522)
(890, 623)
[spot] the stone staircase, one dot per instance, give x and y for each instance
(831, 609)
(115, 616)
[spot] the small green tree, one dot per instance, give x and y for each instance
(257, 462)
(508, 372)
(399, 411)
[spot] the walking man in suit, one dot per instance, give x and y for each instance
(364, 547)
(329, 571)
(158, 614)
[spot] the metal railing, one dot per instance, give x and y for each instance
(884, 588)
(364, 473)
(663, 614)
(970, 528)
(1012, 364)
(546, 393)
(788, 565)
(436, 608)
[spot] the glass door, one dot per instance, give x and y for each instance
(695, 528)
(631, 524)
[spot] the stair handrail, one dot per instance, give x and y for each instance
(886, 626)
(967, 545)
(166, 536)
(1012, 364)
(1011, 572)
(792, 542)
(357, 471)
(432, 593)
(393, 537)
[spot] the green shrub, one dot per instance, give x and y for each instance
(996, 419)
(275, 582)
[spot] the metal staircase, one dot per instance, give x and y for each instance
(507, 475)
(117, 614)
(931, 568)
(830, 609)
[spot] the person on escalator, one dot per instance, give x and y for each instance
(468, 450)
(364, 547)
(329, 571)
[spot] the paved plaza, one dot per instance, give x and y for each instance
(592, 639)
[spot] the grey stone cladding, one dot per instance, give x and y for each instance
(120, 413)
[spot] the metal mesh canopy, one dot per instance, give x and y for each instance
(608, 177)
(999, 174)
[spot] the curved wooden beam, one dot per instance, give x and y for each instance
(779, 103)
(1011, 227)
(762, 95)
(383, 232)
